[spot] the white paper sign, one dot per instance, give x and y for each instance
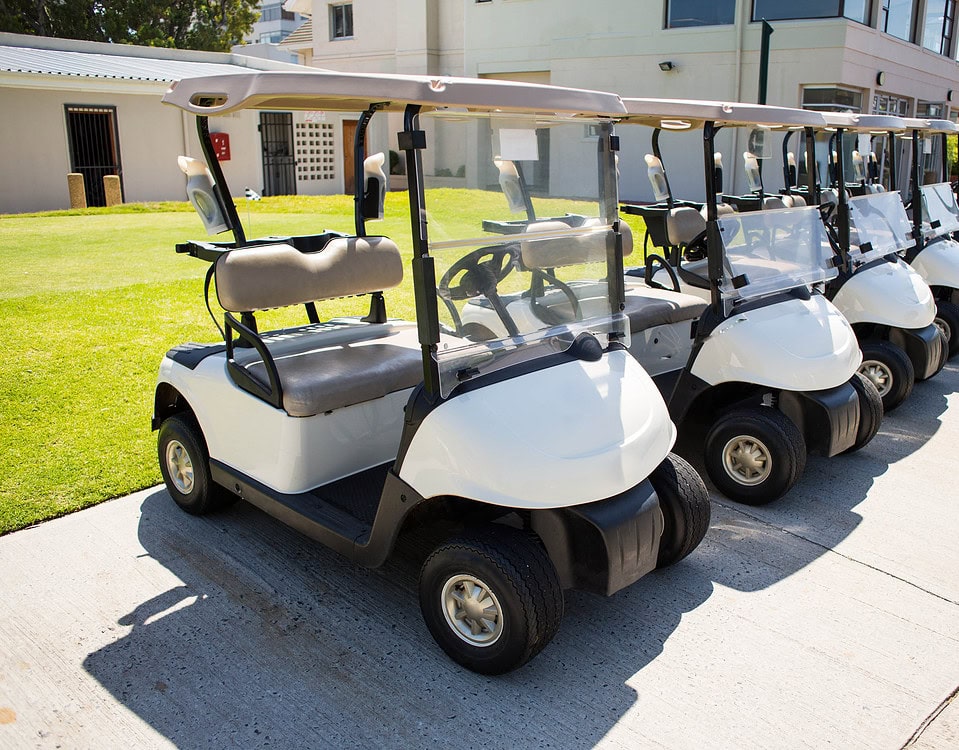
(518, 145)
(315, 116)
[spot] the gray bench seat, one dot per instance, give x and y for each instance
(647, 307)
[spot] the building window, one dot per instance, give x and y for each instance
(273, 37)
(937, 30)
(776, 10)
(832, 99)
(895, 18)
(883, 104)
(275, 12)
(684, 13)
(341, 21)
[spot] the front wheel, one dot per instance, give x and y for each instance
(684, 501)
(947, 321)
(491, 598)
(870, 411)
(754, 455)
(185, 467)
(890, 370)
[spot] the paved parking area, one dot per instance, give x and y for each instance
(828, 618)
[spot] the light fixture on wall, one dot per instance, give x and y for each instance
(666, 66)
(881, 78)
(949, 95)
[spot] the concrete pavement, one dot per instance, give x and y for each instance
(828, 618)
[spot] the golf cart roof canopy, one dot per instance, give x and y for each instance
(915, 123)
(865, 123)
(683, 114)
(353, 92)
(940, 126)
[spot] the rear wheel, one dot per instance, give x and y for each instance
(947, 321)
(491, 598)
(185, 467)
(890, 370)
(684, 501)
(754, 455)
(870, 411)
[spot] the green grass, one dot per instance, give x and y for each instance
(91, 300)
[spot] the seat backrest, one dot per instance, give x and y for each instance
(793, 201)
(773, 202)
(267, 276)
(754, 179)
(657, 178)
(683, 225)
(566, 246)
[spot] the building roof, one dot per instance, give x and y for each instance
(73, 59)
(302, 36)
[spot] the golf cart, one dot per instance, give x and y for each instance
(771, 372)
(543, 455)
(890, 307)
(935, 254)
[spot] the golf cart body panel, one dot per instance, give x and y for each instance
(938, 263)
(888, 294)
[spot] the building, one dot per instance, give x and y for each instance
(274, 24)
(70, 106)
(875, 56)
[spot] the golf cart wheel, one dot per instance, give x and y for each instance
(684, 500)
(947, 321)
(890, 370)
(870, 411)
(185, 467)
(754, 455)
(491, 598)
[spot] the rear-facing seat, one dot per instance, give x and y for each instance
(320, 367)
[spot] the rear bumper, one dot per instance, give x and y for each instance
(603, 546)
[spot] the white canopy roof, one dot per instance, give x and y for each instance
(680, 114)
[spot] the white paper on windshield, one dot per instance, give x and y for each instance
(518, 144)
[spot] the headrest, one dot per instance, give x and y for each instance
(683, 225)
(773, 202)
(793, 201)
(657, 177)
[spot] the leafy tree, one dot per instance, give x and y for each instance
(213, 25)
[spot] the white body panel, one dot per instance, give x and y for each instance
(796, 345)
(890, 294)
(572, 434)
(285, 453)
(938, 263)
(662, 348)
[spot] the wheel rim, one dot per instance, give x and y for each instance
(472, 610)
(179, 466)
(879, 374)
(747, 460)
(944, 328)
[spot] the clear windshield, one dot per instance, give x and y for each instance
(520, 213)
(939, 209)
(878, 225)
(772, 251)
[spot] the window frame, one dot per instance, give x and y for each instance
(334, 9)
(667, 7)
(840, 13)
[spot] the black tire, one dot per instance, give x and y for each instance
(180, 444)
(947, 319)
(890, 370)
(773, 442)
(684, 500)
(512, 566)
(870, 411)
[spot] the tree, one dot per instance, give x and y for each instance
(213, 25)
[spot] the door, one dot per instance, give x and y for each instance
(94, 149)
(279, 164)
(349, 167)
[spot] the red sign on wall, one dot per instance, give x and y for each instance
(221, 145)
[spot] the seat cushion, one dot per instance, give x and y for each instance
(647, 307)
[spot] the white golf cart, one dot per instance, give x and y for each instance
(769, 367)
(935, 254)
(548, 448)
(890, 307)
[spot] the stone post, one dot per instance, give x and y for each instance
(78, 193)
(111, 189)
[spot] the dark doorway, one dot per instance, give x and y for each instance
(279, 164)
(94, 147)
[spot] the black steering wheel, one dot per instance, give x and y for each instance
(659, 260)
(480, 277)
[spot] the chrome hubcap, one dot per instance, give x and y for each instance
(179, 466)
(747, 460)
(879, 374)
(472, 610)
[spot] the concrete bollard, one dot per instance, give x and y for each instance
(111, 189)
(78, 193)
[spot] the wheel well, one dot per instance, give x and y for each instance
(166, 402)
(866, 331)
(707, 406)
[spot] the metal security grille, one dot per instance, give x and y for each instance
(276, 135)
(94, 147)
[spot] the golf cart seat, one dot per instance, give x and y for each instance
(722, 209)
(793, 201)
(315, 368)
(647, 307)
(772, 202)
(683, 225)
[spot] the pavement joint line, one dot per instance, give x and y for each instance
(827, 548)
(931, 718)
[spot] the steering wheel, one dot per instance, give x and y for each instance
(480, 277)
(659, 260)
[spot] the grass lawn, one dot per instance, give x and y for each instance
(91, 300)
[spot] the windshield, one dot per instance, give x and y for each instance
(939, 209)
(772, 251)
(520, 213)
(878, 225)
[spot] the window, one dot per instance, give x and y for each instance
(683, 13)
(895, 18)
(272, 37)
(341, 21)
(275, 12)
(832, 99)
(776, 10)
(937, 29)
(883, 104)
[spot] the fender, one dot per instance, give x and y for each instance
(890, 294)
(938, 263)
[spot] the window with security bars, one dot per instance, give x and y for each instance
(94, 147)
